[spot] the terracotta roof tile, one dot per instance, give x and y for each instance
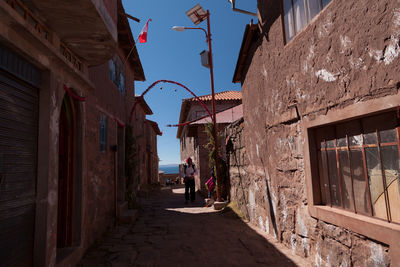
(227, 95)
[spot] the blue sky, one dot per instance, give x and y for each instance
(172, 55)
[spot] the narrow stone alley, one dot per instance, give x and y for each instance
(170, 233)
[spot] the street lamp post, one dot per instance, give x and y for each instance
(197, 15)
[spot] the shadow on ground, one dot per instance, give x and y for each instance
(170, 233)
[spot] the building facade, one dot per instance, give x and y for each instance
(193, 136)
(316, 160)
(152, 160)
(62, 124)
(108, 108)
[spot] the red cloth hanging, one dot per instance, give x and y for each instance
(74, 96)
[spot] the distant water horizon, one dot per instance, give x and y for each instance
(169, 168)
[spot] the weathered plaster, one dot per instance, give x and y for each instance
(345, 56)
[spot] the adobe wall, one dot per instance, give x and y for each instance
(105, 100)
(107, 94)
(348, 54)
(153, 156)
(99, 182)
(138, 122)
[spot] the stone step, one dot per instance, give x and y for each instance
(128, 216)
(220, 205)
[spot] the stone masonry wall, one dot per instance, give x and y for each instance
(237, 164)
(347, 54)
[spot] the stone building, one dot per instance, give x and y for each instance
(315, 162)
(65, 93)
(152, 131)
(193, 137)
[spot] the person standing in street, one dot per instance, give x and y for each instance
(189, 171)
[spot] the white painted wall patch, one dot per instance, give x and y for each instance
(326, 75)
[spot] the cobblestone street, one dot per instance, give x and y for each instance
(170, 233)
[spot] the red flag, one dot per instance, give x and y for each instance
(143, 33)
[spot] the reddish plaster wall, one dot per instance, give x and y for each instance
(105, 100)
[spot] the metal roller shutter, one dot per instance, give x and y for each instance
(18, 168)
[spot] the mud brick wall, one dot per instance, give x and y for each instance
(324, 243)
(346, 55)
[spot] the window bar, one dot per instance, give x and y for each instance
(294, 19)
(388, 215)
(326, 173)
(389, 144)
(307, 9)
(398, 129)
(366, 176)
(398, 138)
(351, 173)
(283, 22)
(338, 172)
(323, 177)
(398, 134)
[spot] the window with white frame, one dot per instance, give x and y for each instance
(358, 163)
(116, 73)
(298, 13)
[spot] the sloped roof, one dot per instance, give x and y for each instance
(226, 95)
(127, 43)
(250, 35)
(155, 126)
(142, 103)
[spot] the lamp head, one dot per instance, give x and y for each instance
(178, 28)
(232, 2)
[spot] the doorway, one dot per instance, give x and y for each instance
(66, 174)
